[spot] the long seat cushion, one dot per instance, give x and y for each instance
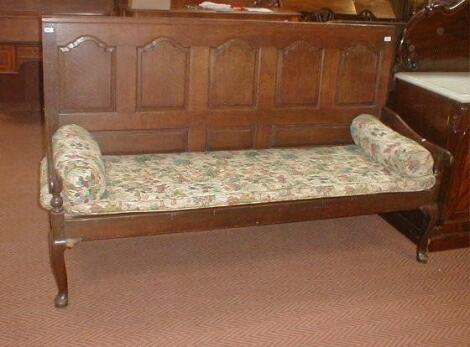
(181, 181)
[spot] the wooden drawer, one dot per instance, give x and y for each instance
(26, 54)
(7, 59)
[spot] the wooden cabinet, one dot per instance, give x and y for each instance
(437, 106)
(432, 95)
(7, 59)
(13, 56)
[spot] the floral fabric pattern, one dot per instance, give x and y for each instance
(77, 158)
(179, 181)
(395, 151)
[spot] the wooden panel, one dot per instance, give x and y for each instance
(87, 76)
(233, 75)
(230, 138)
(142, 141)
(294, 135)
(14, 28)
(7, 59)
(162, 75)
(299, 75)
(458, 200)
(357, 76)
(229, 85)
(427, 113)
(459, 196)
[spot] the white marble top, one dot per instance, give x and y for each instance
(454, 85)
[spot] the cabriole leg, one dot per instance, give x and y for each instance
(56, 253)
(57, 246)
(432, 214)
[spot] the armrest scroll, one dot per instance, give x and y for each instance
(442, 157)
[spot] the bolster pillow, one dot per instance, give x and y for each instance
(78, 161)
(393, 150)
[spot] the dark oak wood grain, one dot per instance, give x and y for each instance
(437, 39)
(232, 86)
(446, 123)
(299, 86)
(273, 80)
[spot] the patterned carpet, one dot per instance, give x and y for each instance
(344, 282)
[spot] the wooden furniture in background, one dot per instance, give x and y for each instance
(189, 9)
(382, 9)
(276, 14)
(367, 10)
(344, 7)
(19, 40)
(20, 43)
(7, 58)
(362, 10)
(319, 10)
(438, 40)
(437, 106)
(184, 4)
(180, 4)
(99, 7)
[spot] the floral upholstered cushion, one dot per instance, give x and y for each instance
(181, 181)
(77, 158)
(395, 151)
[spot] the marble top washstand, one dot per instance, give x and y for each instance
(453, 85)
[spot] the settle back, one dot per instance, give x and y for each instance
(168, 85)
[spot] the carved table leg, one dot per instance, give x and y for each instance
(56, 252)
(432, 214)
(57, 246)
